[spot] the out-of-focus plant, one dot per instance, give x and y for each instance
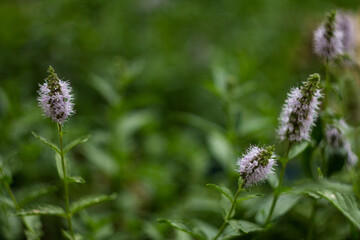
(56, 100)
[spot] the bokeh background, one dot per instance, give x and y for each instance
(172, 91)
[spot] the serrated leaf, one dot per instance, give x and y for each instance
(6, 201)
(225, 204)
(222, 189)
(273, 181)
(319, 173)
(186, 227)
(284, 203)
(306, 187)
(59, 167)
(230, 233)
(221, 148)
(43, 209)
(245, 226)
(75, 179)
(345, 203)
(248, 196)
(34, 192)
(76, 142)
(89, 201)
(298, 149)
(35, 224)
(47, 142)
(69, 237)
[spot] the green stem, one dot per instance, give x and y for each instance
(16, 204)
(325, 106)
(226, 220)
(66, 187)
(277, 190)
(312, 219)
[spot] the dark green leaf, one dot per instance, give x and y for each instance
(225, 204)
(76, 142)
(284, 203)
(69, 237)
(345, 203)
(75, 179)
(248, 196)
(59, 166)
(186, 227)
(319, 173)
(43, 209)
(245, 226)
(47, 142)
(230, 233)
(89, 201)
(222, 189)
(298, 149)
(7, 201)
(34, 223)
(35, 191)
(221, 148)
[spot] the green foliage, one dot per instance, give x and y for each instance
(186, 227)
(42, 209)
(345, 203)
(172, 92)
(47, 142)
(244, 226)
(223, 190)
(76, 142)
(31, 193)
(89, 201)
(298, 149)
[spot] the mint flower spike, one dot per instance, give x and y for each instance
(336, 139)
(336, 36)
(256, 165)
(347, 25)
(300, 111)
(55, 98)
(328, 38)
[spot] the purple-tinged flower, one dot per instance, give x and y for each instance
(346, 24)
(56, 99)
(336, 139)
(300, 111)
(256, 165)
(335, 37)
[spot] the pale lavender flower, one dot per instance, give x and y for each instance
(336, 139)
(300, 111)
(346, 24)
(256, 165)
(56, 99)
(335, 37)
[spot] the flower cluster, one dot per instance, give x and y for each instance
(55, 98)
(256, 164)
(336, 139)
(335, 37)
(299, 112)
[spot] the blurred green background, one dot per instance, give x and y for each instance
(172, 91)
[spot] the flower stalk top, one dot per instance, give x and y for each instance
(300, 111)
(335, 37)
(256, 165)
(55, 98)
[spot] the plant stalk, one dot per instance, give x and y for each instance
(66, 187)
(16, 204)
(226, 220)
(312, 219)
(276, 192)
